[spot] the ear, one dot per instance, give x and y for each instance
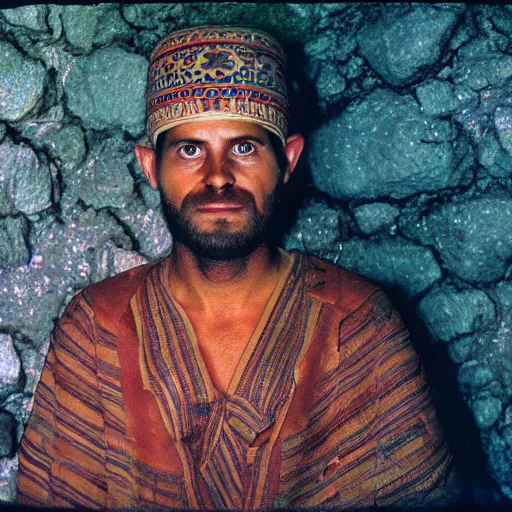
(293, 150)
(147, 161)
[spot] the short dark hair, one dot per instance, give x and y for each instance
(275, 142)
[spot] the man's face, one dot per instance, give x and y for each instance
(220, 184)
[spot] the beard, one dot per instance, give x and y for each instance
(221, 243)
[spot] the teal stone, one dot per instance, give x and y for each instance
(400, 46)
(22, 83)
(106, 90)
(449, 312)
(486, 411)
(384, 146)
(13, 241)
(391, 262)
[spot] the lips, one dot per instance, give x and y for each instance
(218, 207)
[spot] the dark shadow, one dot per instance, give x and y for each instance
(455, 417)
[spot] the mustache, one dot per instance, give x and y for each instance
(228, 195)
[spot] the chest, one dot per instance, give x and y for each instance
(222, 342)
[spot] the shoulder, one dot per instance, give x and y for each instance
(342, 289)
(112, 295)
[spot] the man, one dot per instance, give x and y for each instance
(232, 374)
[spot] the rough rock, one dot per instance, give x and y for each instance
(64, 142)
(449, 312)
(401, 47)
(10, 366)
(96, 83)
(64, 260)
(86, 26)
(67, 146)
(326, 50)
(151, 15)
(385, 146)
(13, 241)
(7, 434)
(148, 226)
(376, 217)
(493, 350)
(473, 376)
(501, 18)
(468, 248)
(486, 411)
(460, 349)
(391, 262)
(22, 83)
(288, 23)
(112, 260)
(500, 459)
(316, 231)
(68, 250)
(29, 301)
(25, 182)
(32, 17)
(503, 125)
(493, 157)
(8, 468)
(329, 85)
(479, 64)
(32, 361)
(104, 179)
(437, 98)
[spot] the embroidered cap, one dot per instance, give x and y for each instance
(219, 72)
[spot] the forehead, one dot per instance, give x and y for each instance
(215, 130)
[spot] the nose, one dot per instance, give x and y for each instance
(219, 175)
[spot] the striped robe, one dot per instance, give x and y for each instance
(328, 405)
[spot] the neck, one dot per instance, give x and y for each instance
(210, 284)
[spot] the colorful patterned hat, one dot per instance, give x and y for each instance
(221, 72)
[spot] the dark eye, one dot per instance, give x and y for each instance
(189, 151)
(243, 148)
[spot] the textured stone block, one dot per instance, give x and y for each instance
(449, 312)
(7, 434)
(30, 301)
(376, 217)
(487, 411)
(86, 26)
(401, 46)
(106, 90)
(10, 366)
(148, 227)
(316, 231)
(150, 15)
(437, 98)
(385, 146)
(22, 83)
(32, 17)
(68, 250)
(392, 262)
(473, 237)
(479, 65)
(13, 245)
(104, 178)
(25, 182)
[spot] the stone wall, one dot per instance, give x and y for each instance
(407, 181)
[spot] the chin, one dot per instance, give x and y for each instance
(222, 245)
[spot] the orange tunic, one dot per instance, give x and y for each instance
(328, 404)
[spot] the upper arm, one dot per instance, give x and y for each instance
(414, 463)
(62, 451)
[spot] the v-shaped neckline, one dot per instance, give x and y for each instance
(255, 337)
